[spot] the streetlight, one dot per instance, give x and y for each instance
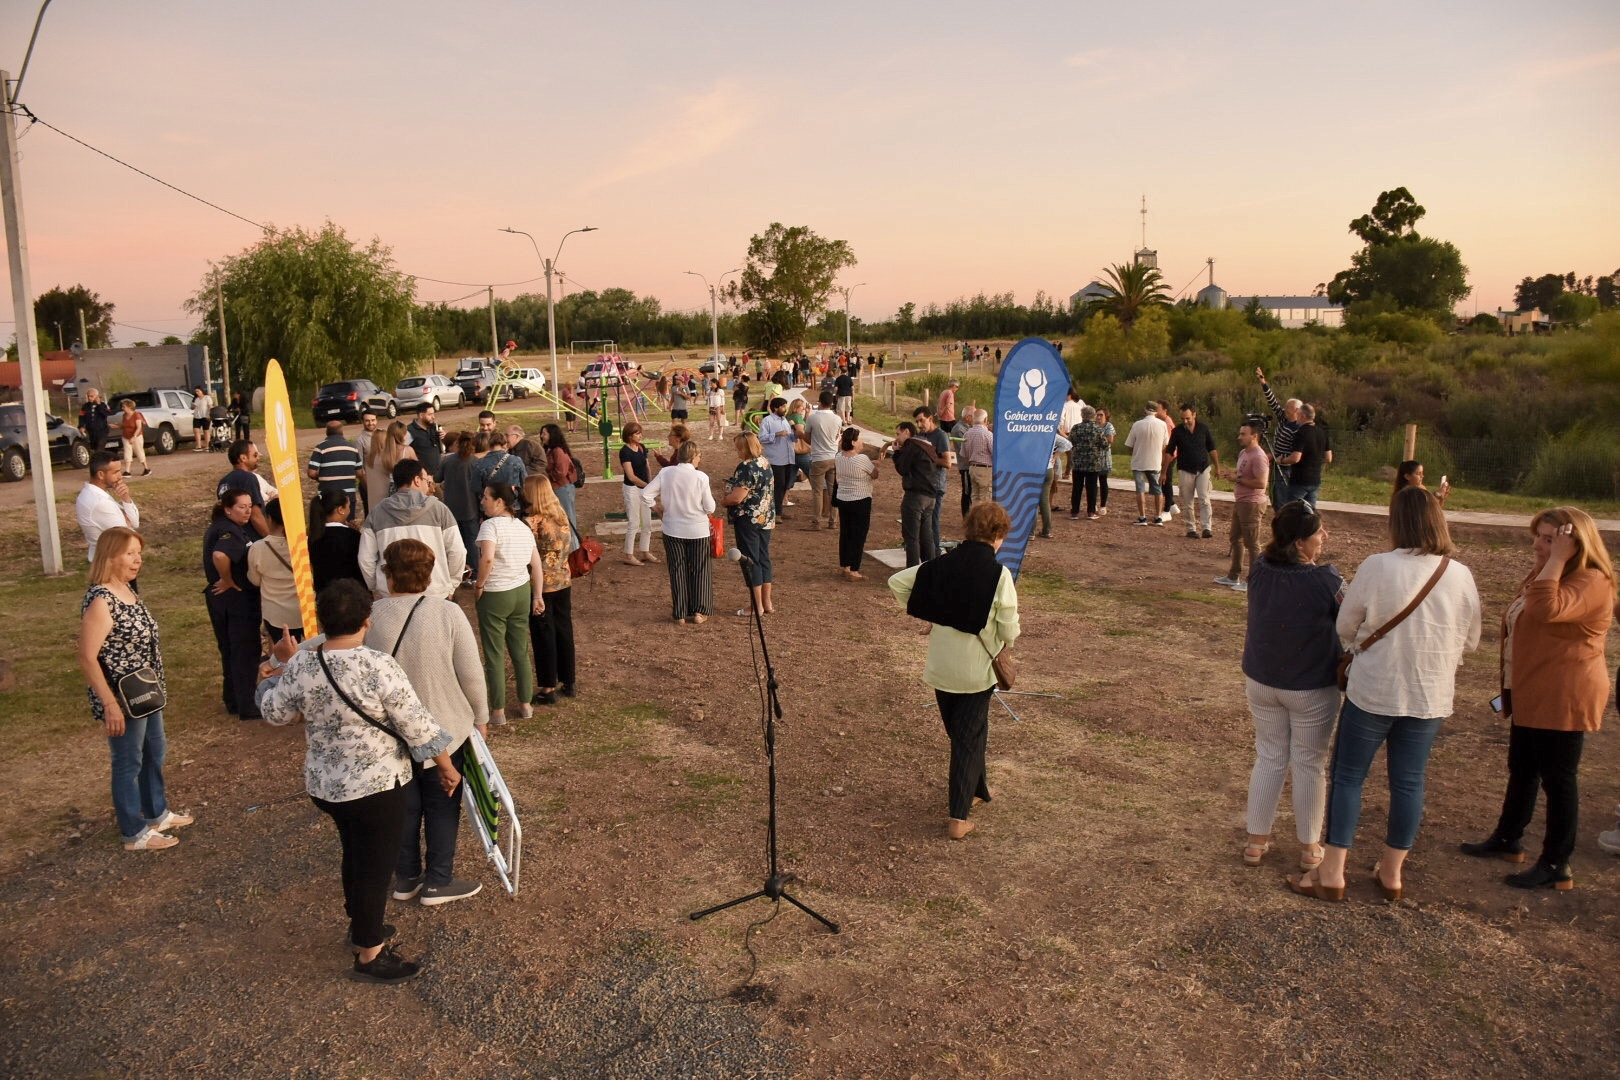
(846, 290)
(551, 310)
(714, 305)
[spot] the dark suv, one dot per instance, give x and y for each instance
(348, 399)
(68, 447)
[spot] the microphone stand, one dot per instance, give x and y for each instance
(776, 881)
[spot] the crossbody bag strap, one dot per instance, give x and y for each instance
(279, 557)
(1378, 634)
(320, 654)
(408, 617)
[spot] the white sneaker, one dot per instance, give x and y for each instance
(151, 840)
(1165, 516)
(1228, 582)
(1610, 841)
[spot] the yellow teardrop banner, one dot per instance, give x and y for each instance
(281, 439)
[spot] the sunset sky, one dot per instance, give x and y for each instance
(958, 147)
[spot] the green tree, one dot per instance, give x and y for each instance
(61, 307)
(1538, 292)
(171, 339)
(1417, 274)
(1573, 308)
(787, 278)
(1258, 317)
(325, 307)
(905, 321)
(1131, 290)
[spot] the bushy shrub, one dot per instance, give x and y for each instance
(1581, 463)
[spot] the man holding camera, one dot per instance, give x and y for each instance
(1282, 444)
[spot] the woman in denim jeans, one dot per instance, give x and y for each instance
(1290, 660)
(1400, 689)
(118, 636)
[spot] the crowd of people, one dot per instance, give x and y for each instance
(404, 517)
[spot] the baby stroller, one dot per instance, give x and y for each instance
(219, 428)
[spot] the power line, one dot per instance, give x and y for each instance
(143, 329)
(36, 120)
(231, 213)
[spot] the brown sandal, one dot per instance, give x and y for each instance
(1315, 890)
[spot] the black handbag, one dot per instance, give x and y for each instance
(140, 693)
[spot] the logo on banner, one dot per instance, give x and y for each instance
(1032, 388)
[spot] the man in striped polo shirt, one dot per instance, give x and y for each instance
(335, 464)
(1282, 444)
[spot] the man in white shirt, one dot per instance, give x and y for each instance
(1066, 421)
(104, 503)
(825, 427)
(1147, 440)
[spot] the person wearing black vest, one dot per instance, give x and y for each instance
(971, 604)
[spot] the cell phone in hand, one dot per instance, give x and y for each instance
(1496, 703)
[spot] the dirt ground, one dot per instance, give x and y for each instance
(1099, 922)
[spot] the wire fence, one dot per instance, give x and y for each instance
(1579, 464)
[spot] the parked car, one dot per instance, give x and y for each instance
(604, 373)
(68, 447)
(420, 391)
(525, 381)
(168, 417)
(714, 364)
(477, 376)
(347, 400)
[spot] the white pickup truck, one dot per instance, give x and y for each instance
(168, 417)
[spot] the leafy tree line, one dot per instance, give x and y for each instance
(1567, 298)
(619, 315)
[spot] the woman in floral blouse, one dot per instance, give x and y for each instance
(363, 725)
(1090, 463)
(118, 636)
(551, 633)
(750, 491)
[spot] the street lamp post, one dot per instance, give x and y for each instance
(846, 290)
(714, 304)
(550, 266)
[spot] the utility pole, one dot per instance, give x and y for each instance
(846, 291)
(224, 349)
(494, 338)
(50, 537)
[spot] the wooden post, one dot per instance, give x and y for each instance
(926, 392)
(1409, 450)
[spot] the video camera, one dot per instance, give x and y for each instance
(1260, 423)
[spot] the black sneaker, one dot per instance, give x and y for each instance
(450, 891)
(566, 689)
(406, 888)
(390, 932)
(1208, 535)
(1156, 521)
(387, 967)
(1494, 848)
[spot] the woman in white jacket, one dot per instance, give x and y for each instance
(1400, 689)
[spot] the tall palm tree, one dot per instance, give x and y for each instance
(1131, 290)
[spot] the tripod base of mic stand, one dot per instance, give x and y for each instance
(775, 889)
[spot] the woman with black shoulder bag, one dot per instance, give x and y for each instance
(364, 725)
(123, 666)
(970, 604)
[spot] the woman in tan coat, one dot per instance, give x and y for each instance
(1555, 686)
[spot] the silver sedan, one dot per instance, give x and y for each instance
(420, 391)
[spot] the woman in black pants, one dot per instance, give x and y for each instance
(551, 633)
(233, 600)
(364, 726)
(855, 472)
(970, 600)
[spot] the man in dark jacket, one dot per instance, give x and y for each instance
(915, 460)
(93, 419)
